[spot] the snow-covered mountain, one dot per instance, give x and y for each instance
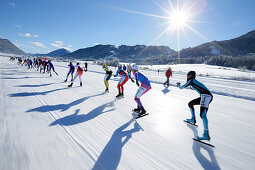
(8, 47)
(122, 52)
(45, 125)
(238, 46)
(58, 52)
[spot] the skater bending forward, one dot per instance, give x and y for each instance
(204, 100)
(71, 71)
(107, 76)
(79, 72)
(145, 87)
(123, 80)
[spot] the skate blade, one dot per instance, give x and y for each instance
(142, 115)
(200, 141)
(190, 123)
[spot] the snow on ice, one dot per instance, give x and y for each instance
(45, 125)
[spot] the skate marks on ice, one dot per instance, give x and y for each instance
(76, 118)
(111, 155)
(197, 150)
(61, 107)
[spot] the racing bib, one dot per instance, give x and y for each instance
(205, 100)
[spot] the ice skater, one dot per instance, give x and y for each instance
(86, 66)
(107, 76)
(41, 65)
(123, 80)
(79, 72)
(46, 65)
(71, 71)
(145, 87)
(129, 70)
(51, 67)
(204, 100)
(168, 75)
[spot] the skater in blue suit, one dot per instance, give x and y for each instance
(71, 71)
(204, 100)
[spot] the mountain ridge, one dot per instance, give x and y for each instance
(8, 47)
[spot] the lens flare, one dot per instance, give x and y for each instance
(177, 18)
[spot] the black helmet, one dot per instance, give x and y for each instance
(192, 73)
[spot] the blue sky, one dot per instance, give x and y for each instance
(40, 26)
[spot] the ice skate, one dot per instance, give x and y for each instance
(205, 136)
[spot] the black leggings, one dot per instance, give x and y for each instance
(197, 102)
(109, 76)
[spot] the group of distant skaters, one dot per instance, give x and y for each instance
(141, 81)
(42, 64)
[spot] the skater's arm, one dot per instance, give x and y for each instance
(106, 69)
(131, 79)
(137, 82)
(185, 85)
(117, 73)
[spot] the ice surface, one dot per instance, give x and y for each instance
(45, 125)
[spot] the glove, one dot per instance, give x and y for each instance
(178, 84)
(137, 83)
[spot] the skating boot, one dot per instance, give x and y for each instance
(192, 120)
(142, 112)
(122, 95)
(205, 136)
(80, 83)
(106, 90)
(119, 95)
(137, 110)
(65, 80)
(70, 85)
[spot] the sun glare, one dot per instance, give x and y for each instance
(178, 19)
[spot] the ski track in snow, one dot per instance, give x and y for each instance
(45, 125)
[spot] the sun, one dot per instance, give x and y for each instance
(178, 19)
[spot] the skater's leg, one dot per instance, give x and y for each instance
(165, 83)
(122, 84)
(122, 89)
(68, 75)
(204, 105)
(118, 86)
(80, 78)
(205, 101)
(191, 106)
(142, 90)
(203, 115)
(106, 78)
(75, 77)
